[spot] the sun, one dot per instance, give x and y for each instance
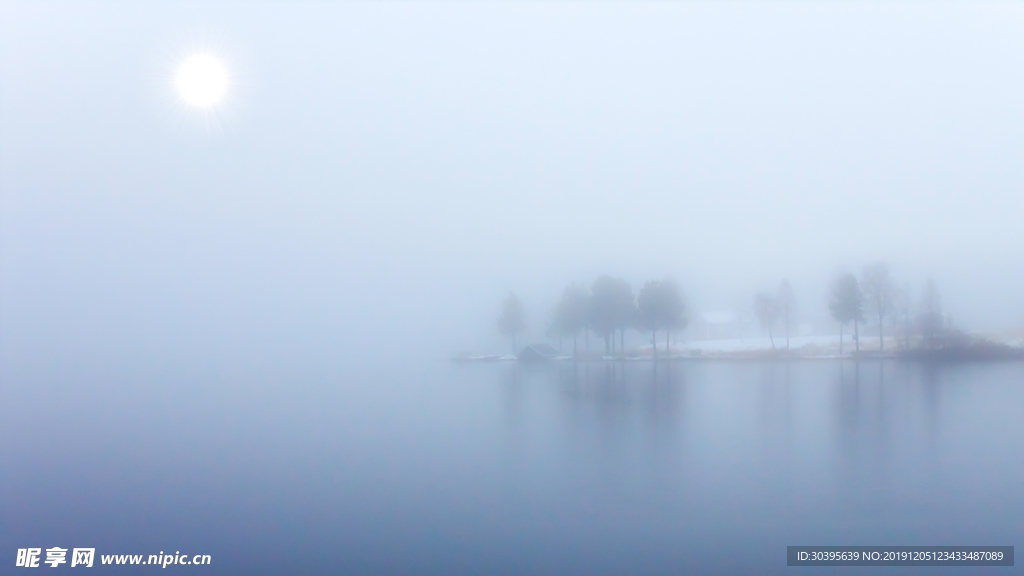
(202, 81)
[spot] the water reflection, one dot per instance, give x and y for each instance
(877, 404)
(882, 405)
(618, 394)
(775, 402)
(597, 468)
(857, 450)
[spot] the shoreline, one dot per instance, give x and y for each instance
(981, 352)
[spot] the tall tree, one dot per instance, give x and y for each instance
(570, 314)
(878, 291)
(786, 301)
(512, 319)
(766, 307)
(846, 304)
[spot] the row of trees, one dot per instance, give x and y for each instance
(876, 293)
(607, 309)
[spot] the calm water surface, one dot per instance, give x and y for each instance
(606, 468)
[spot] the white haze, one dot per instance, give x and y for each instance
(385, 173)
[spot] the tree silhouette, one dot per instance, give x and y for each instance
(512, 319)
(624, 312)
(786, 302)
(661, 304)
(571, 313)
(766, 307)
(648, 303)
(674, 310)
(878, 290)
(846, 304)
(611, 307)
(901, 307)
(931, 320)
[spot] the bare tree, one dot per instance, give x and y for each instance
(512, 319)
(878, 290)
(767, 310)
(931, 319)
(786, 301)
(846, 304)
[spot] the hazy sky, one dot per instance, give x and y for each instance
(385, 173)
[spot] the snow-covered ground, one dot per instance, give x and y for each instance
(742, 344)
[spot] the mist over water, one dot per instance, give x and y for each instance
(385, 174)
(225, 331)
(706, 467)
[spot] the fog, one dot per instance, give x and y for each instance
(382, 175)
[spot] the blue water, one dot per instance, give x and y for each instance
(440, 468)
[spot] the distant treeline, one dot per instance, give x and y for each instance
(608, 308)
(877, 294)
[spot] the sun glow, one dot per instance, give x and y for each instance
(202, 81)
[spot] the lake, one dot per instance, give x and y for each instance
(502, 468)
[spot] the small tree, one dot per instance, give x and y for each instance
(767, 310)
(611, 306)
(786, 301)
(673, 310)
(624, 311)
(552, 332)
(512, 319)
(846, 304)
(878, 290)
(570, 314)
